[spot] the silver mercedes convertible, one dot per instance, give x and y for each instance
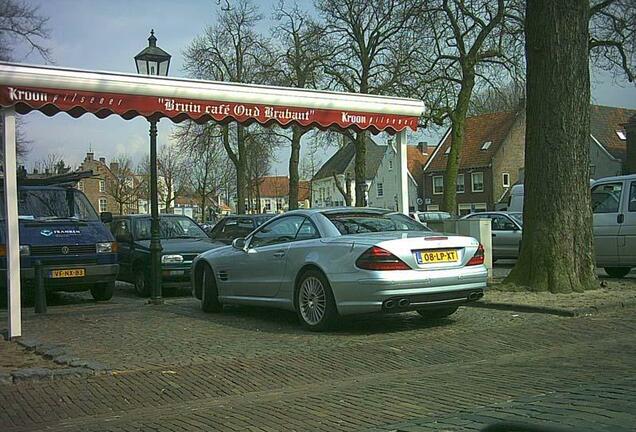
(323, 263)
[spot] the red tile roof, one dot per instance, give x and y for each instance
(604, 122)
(493, 127)
(278, 187)
(415, 160)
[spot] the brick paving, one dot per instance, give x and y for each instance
(177, 369)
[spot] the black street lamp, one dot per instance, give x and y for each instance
(152, 60)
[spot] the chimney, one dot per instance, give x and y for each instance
(629, 167)
(102, 160)
(422, 146)
(90, 156)
(114, 166)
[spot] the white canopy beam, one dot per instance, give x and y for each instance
(402, 167)
(12, 246)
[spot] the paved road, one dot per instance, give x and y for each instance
(177, 369)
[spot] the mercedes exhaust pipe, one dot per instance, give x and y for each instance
(475, 295)
(404, 302)
(389, 304)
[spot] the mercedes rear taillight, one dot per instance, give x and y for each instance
(377, 258)
(478, 258)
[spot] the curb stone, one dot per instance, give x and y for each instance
(559, 311)
(76, 367)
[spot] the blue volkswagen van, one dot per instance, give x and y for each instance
(60, 228)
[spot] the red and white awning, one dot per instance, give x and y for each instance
(76, 92)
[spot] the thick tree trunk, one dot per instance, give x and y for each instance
(458, 122)
(557, 245)
(629, 167)
(294, 158)
(360, 169)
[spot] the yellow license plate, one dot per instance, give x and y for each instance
(68, 273)
(436, 256)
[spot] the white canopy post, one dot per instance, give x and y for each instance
(12, 246)
(403, 179)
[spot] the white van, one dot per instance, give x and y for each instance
(614, 208)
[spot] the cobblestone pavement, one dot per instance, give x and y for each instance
(176, 369)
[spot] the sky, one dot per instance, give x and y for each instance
(106, 35)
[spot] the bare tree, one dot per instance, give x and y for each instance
(208, 170)
(465, 46)
(52, 164)
(123, 184)
(233, 51)
(299, 65)
(171, 168)
(508, 97)
(22, 25)
(613, 36)
(372, 46)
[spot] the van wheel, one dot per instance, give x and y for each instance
(142, 287)
(437, 313)
(103, 291)
(209, 292)
(617, 272)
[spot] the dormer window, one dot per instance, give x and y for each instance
(486, 145)
(621, 135)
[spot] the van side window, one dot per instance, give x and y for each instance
(632, 197)
(606, 198)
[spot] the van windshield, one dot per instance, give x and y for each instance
(53, 204)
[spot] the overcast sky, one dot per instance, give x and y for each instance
(106, 35)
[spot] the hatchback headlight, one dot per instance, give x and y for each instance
(25, 250)
(104, 247)
(171, 259)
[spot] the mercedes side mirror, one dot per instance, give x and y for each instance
(239, 243)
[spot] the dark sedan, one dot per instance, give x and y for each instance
(235, 226)
(181, 241)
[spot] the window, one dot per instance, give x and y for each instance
(463, 209)
(390, 165)
(80, 185)
(486, 145)
(432, 207)
(478, 181)
(438, 185)
(502, 223)
(621, 135)
(279, 231)
(268, 205)
(467, 208)
(380, 189)
(103, 205)
(102, 186)
(307, 231)
(121, 229)
(606, 198)
(505, 179)
(632, 198)
(460, 183)
(447, 150)
(365, 222)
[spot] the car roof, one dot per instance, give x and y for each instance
(251, 216)
(615, 178)
(141, 216)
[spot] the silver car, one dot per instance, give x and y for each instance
(323, 263)
(506, 228)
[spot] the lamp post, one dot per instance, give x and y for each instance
(154, 61)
